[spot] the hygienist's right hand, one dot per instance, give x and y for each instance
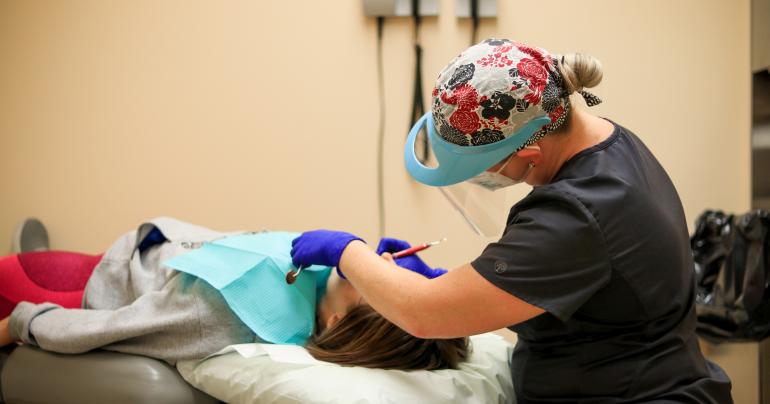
(320, 247)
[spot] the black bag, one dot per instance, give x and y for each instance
(731, 256)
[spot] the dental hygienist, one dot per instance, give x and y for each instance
(594, 269)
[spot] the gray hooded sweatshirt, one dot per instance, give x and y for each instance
(135, 305)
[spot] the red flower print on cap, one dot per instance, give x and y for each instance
(465, 121)
(495, 59)
(535, 54)
(467, 97)
(536, 93)
(502, 48)
(464, 96)
(533, 71)
(556, 113)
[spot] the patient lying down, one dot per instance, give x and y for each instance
(133, 304)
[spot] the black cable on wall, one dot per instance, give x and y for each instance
(380, 130)
(474, 21)
(418, 103)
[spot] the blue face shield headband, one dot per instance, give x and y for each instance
(458, 163)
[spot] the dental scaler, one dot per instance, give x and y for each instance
(417, 248)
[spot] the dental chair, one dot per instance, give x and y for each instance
(31, 375)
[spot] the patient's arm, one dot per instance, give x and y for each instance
(135, 328)
(187, 319)
(5, 335)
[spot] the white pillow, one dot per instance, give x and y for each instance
(484, 378)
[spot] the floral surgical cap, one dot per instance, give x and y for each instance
(493, 89)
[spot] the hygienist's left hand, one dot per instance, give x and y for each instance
(410, 262)
(320, 247)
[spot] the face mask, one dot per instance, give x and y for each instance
(495, 180)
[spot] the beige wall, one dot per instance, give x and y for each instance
(251, 114)
(254, 114)
(263, 114)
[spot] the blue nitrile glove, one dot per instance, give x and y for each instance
(320, 247)
(410, 262)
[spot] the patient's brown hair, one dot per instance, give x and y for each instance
(365, 338)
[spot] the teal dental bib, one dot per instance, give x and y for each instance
(250, 270)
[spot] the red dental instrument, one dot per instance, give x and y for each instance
(416, 249)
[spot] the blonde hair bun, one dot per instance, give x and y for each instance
(580, 71)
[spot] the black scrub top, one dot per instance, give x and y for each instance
(604, 250)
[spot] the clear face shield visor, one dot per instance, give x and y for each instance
(483, 209)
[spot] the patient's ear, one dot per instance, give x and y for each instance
(333, 319)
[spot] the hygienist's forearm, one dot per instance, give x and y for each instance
(459, 303)
(396, 293)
